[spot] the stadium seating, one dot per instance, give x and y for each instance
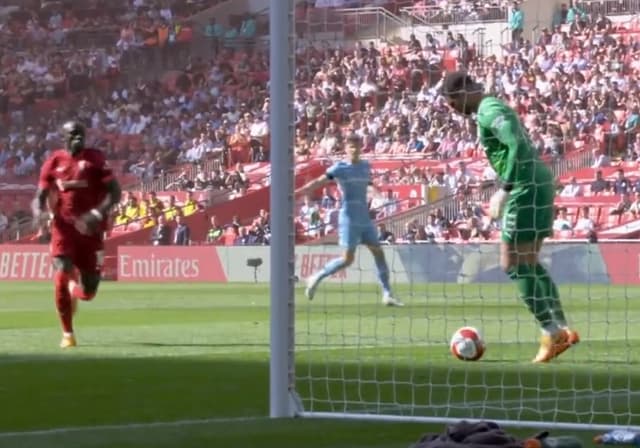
(43, 40)
(321, 125)
(101, 66)
(227, 211)
(610, 143)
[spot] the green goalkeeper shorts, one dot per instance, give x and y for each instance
(528, 215)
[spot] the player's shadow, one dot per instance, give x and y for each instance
(605, 362)
(194, 344)
(111, 390)
(499, 361)
(212, 345)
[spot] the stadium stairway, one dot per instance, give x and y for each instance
(359, 24)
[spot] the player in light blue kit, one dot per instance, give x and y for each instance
(355, 227)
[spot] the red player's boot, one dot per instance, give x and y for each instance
(68, 341)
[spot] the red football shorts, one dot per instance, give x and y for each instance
(84, 251)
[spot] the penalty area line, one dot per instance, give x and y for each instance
(127, 426)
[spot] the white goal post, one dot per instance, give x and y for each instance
(345, 356)
(282, 280)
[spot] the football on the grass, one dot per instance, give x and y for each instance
(467, 344)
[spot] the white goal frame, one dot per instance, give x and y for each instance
(284, 401)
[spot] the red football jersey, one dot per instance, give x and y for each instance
(79, 181)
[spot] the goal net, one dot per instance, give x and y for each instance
(356, 358)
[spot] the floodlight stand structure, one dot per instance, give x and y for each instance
(282, 397)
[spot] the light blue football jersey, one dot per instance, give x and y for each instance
(353, 180)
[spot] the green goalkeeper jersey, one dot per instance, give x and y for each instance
(509, 148)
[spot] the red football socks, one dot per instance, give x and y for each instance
(63, 301)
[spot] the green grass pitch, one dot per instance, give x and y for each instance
(187, 352)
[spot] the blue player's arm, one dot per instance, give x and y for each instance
(314, 185)
(330, 175)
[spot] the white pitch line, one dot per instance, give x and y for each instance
(495, 403)
(127, 426)
(209, 421)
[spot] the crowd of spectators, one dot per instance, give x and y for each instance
(462, 11)
(54, 49)
(166, 217)
(576, 82)
(162, 117)
(39, 24)
(168, 227)
(234, 182)
(142, 210)
(182, 126)
(145, 211)
(319, 218)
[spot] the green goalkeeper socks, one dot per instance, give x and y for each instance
(533, 294)
(551, 290)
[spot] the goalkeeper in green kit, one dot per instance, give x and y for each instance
(525, 202)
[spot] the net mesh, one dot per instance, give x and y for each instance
(354, 355)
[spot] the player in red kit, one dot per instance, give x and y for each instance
(79, 189)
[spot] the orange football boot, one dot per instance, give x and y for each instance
(553, 346)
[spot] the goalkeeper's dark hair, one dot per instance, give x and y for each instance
(456, 82)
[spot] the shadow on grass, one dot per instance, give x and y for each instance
(604, 363)
(81, 391)
(144, 344)
(160, 344)
(85, 391)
